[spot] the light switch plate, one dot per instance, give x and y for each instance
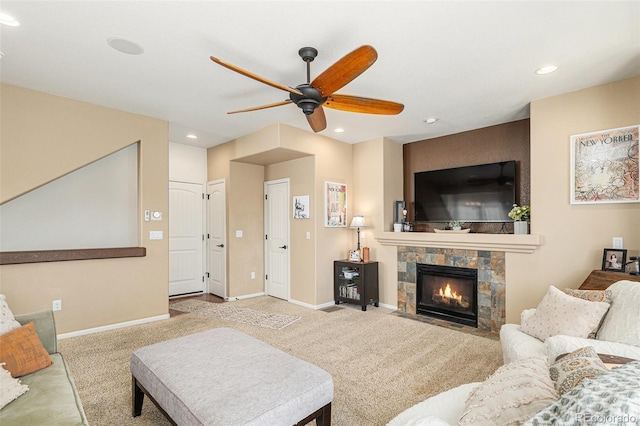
(239, 233)
(617, 242)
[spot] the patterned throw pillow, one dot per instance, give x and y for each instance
(22, 351)
(511, 395)
(610, 398)
(592, 296)
(10, 388)
(568, 371)
(7, 321)
(559, 313)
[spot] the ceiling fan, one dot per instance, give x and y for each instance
(312, 96)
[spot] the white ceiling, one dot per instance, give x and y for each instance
(469, 63)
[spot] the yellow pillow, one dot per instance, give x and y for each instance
(22, 352)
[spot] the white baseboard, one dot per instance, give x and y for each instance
(112, 326)
(246, 296)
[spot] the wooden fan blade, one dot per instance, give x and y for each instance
(345, 70)
(364, 105)
(288, 101)
(317, 120)
(254, 76)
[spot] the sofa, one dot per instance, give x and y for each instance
(554, 371)
(51, 397)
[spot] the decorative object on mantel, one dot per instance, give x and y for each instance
(453, 231)
(604, 166)
(520, 215)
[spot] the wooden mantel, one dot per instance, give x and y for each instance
(509, 243)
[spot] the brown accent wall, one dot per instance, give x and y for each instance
(503, 142)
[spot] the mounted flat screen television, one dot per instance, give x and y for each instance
(480, 193)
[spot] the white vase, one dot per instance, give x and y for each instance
(520, 227)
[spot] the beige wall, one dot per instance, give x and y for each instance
(301, 174)
(245, 205)
(321, 159)
(573, 236)
(378, 164)
(44, 137)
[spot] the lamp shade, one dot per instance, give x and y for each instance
(358, 222)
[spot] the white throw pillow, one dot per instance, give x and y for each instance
(10, 388)
(622, 322)
(511, 395)
(559, 313)
(7, 320)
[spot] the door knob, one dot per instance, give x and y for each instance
(284, 247)
(220, 245)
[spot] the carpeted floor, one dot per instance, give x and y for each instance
(231, 312)
(381, 363)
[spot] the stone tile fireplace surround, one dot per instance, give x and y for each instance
(485, 252)
(491, 279)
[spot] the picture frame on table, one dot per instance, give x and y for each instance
(614, 259)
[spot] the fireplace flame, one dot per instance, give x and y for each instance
(447, 293)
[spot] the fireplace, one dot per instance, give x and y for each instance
(447, 292)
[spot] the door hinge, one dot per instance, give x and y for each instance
(203, 195)
(202, 237)
(208, 196)
(266, 237)
(208, 236)
(207, 274)
(265, 196)
(203, 278)
(266, 277)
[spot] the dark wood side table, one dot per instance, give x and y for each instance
(355, 282)
(600, 280)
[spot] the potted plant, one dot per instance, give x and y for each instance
(456, 225)
(520, 216)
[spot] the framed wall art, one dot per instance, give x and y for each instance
(614, 259)
(604, 166)
(301, 207)
(335, 205)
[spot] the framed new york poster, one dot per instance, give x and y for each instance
(335, 205)
(604, 166)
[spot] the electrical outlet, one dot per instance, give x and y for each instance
(57, 305)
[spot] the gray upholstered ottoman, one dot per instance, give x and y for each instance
(224, 377)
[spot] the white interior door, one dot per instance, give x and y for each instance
(277, 238)
(186, 245)
(216, 241)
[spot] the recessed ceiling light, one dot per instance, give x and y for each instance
(8, 20)
(125, 46)
(339, 130)
(547, 69)
(192, 136)
(430, 120)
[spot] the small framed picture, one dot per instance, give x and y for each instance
(354, 255)
(614, 259)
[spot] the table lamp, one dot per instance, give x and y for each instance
(358, 222)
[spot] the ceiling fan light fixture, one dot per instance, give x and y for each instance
(547, 69)
(192, 136)
(125, 46)
(430, 120)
